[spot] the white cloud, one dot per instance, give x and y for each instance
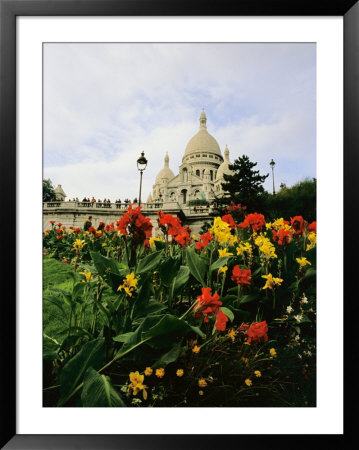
(105, 103)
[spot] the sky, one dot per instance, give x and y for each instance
(105, 103)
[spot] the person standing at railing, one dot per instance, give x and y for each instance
(88, 223)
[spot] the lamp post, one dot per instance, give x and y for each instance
(141, 166)
(272, 164)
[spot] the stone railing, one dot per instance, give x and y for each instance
(103, 205)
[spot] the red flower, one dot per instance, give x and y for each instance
(65, 261)
(59, 224)
(77, 230)
(255, 221)
(169, 224)
(52, 222)
(183, 238)
(232, 207)
(206, 239)
(243, 327)
(59, 238)
(241, 276)
(109, 227)
(59, 231)
(257, 332)
(313, 227)
(221, 320)
(207, 304)
(92, 230)
(282, 236)
(135, 224)
(297, 223)
(229, 219)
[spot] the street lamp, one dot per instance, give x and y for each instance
(141, 166)
(272, 164)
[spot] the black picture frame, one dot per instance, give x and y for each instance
(9, 10)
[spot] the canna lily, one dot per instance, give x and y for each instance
(271, 281)
(78, 244)
(129, 284)
(303, 261)
(223, 253)
(137, 384)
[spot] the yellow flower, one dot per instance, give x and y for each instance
(88, 276)
(137, 384)
(153, 239)
(232, 333)
(179, 372)
(271, 281)
(312, 238)
(160, 372)
(246, 247)
(148, 371)
(257, 373)
(78, 244)
(273, 352)
(245, 360)
(129, 284)
(222, 270)
(104, 244)
(223, 252)
(194, 237)
(200, 392)
(302, 261)
(248, 382)
(222, 232)
(196, 349)
(202, 383)
(265, 246)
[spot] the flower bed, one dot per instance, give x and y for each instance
(226, 318)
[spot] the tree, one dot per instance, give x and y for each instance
(297, 200)
(48, 193)
(245, 186)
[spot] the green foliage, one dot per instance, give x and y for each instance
(245, 186)
(48, 193)
(99, 392)
(302, 197)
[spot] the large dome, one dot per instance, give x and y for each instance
(202, 141)
(165, 173)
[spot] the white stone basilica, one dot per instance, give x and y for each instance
(200, 174)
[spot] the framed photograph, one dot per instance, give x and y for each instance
(114, 109)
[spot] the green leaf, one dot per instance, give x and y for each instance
(149, 262)
(78, 292)
(219, 263)
(228, 313)
(168, 270)
(50, 349)
(91, 354)
(104, 264)
(196, 265)
(181, 278)
(248, 298)
(168, 357)
(152, 307)
(99, 392)
(228, 299)
(142, 297)
(168, 324)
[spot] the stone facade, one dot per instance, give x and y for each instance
(200, 177)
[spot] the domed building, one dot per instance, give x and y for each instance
(200, 174)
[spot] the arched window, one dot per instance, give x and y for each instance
(198, 173)
(211, 173)
(184, 175)
(184, 195)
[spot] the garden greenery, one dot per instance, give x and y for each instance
(225, 318)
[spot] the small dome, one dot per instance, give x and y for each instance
(165, 173)
(202, 141)
(224, 167)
